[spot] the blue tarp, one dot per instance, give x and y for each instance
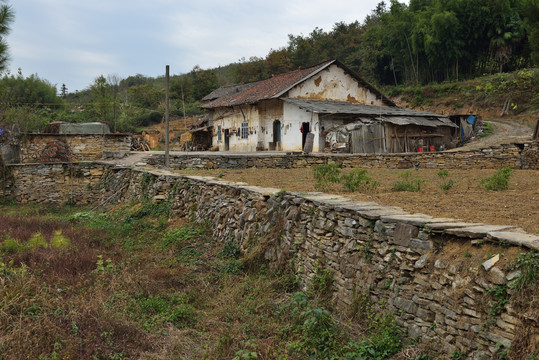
(470, 119)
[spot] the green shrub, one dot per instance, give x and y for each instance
(60, 241)
(324, 175)
(156, 310)
(180, 235)
(317, 336)
(231, 266)
(446, 183)
(407, 183)
(499, 181)
(37, 241)
(358, 179)
(230, 250)
(11, 245)
(487, 130)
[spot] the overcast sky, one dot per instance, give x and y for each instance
(75, 41)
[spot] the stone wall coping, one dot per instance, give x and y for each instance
(373, 211)
(516, 238)
(58, 163)
(284, 154)
(72, 135)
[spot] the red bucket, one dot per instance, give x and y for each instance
(431, 148)
(420, 149)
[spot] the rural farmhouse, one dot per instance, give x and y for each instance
(329, 101)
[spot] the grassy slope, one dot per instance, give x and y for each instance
(131, 283)
(485, 96)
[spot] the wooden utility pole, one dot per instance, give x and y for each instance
(167, 145)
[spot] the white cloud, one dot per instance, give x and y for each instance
(78, 40)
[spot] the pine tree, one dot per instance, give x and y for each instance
(7, 16)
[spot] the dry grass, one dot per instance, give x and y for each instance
(466, 200)
(150, 288)
(128, 303)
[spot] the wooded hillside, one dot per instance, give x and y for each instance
(424, 43)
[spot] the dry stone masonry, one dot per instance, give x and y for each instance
(410, 264)
(84, 147)
(515, 156)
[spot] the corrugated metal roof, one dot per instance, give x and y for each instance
(394, 115)
(274, 87)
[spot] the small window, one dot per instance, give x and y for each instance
(244, 130)
(219, 138)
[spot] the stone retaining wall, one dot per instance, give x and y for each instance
(84, 147)
(516, 156)
(57, 183)
(399, 261)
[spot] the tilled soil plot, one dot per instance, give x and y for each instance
(466, 200)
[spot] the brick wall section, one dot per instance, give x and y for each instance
(516, 156)
(392, 257)
(84, 147)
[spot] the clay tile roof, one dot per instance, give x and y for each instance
(227, 91)
(275, 87)
(261, 90)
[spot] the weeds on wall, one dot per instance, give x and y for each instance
(499, 181)
(321, 286)
(528, 266)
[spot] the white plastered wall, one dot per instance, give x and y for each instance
(231, 119)
(291, 134)
(335, 84)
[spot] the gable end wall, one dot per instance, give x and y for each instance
(335, 84)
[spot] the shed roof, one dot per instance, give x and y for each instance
(394, 115)
(61, 127)
(275, 87)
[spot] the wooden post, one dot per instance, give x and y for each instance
(167, 145)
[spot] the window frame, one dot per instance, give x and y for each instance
(244, 130)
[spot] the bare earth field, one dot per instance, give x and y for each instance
(466, 200)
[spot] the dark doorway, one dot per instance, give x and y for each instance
(276, 131)
(305, 129)
(227, 140)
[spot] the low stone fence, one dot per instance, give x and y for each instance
(411, 264)
(83, 147)
(516, 156)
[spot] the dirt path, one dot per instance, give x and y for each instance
(504, 132)
(132, 159)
